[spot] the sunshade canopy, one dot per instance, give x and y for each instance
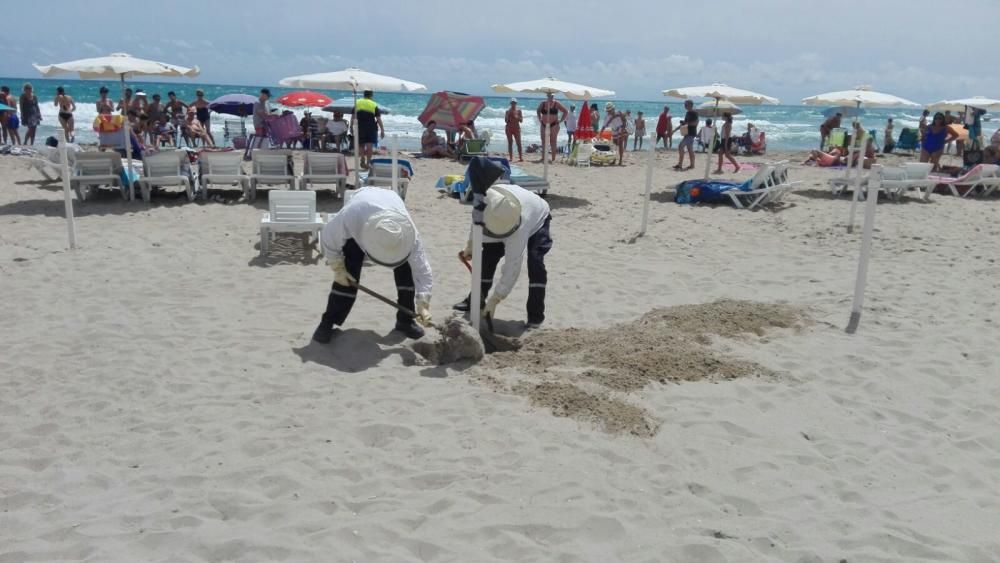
(352, 79)
(721, 92)
(863, 95)
(450, 109)
(346, 105)
(116, 65)
(304, 98)
(709, 109)
(551, 85)
(233, 104)
(978, 102)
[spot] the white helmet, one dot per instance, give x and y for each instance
(388, 237)
(502, 215)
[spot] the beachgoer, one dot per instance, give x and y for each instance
(195, 130)
(512, 128)
(935, 138)
(889, 142)
(370, 128)
(640, 131)
(104, 105)
(571, 127)
(126, 102)
(431, 144)
(175, 108)
(948, 117)
(66, 107)
(629, 127)
(550, 114)
(154, 111)
(11, 122)
(706, 135)
(595, 118)
(165, 132)
(31, 114)
(726, 143)
(515, 224)
(200, 105)
(663, 130)
(614, 121)
(829, 125)
(923, 122)
(261, 113)
(375, 225)
(689, 127)
(336, 129)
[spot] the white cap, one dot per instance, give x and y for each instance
(388, 237)
(513, 100)
(502, 215)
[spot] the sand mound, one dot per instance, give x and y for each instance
(457, 342)
(665, 345)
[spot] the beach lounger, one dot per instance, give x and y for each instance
(984, 178)
(324, 168)
(270, 167)
(92, 170)
(530, 182)
(48, 163)
(235, 131)
(380, 174)
(222, 168)
(471, 148)
(582, 153)
(768, 186)
(289, 212)
(164, 169)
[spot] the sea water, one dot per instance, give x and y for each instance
(787, 127)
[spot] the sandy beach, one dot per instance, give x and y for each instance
(161, 399)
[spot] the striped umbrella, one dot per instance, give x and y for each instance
(451, 109)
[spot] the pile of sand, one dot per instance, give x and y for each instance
(457, 342)
(580, 369)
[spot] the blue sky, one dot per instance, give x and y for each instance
(790, 49)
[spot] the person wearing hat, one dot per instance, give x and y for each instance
(515, 223)
(375, 224)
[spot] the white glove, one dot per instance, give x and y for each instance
(340, 275)
(424, 309)
(466, 253)
(491, 305)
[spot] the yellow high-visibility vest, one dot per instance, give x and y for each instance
(366, 104)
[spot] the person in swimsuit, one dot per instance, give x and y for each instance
(595, 118)
(615, 121)
(66, 107)
(195, 130)
(431, 144)
(923, 123)
(726, 146)
(513, 119)
(663, 128)
(889, 142)
(550, 114)
(690, 129)
(827, 126)
(200, 105)
(640, 131)
(9, 119)
(571, 127)
(125, 102)
(31, 114)
(935, 138)
(155, 111)
(104, 105)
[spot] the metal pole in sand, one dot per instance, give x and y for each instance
(477, 274)
(67, 192)
(649, 183)
(393, 148)
(857, 183)
(866, 249)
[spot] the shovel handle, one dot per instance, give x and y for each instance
(461, 257)
(385, 300)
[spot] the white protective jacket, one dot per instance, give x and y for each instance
(534, 212)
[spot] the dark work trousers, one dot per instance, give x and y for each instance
(341, 299)
(539, 245)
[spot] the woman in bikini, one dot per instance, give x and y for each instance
(66, 107)
(726, 147)
(550, 114)
(936, 136)
(200, 105)
(104, 105)
(513, 119)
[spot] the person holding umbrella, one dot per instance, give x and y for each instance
(370, 128)
(375, 224)
(515, 225)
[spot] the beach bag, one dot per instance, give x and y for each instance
(703, 191)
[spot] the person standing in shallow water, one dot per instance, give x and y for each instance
(31, 114)
(66, 107)
(512, 128)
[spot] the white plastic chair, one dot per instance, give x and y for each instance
(270, 167)
(289, 212)
(583, 152)
(92, 170)
(164, 169)
(380, 174)
(222, 168)
(323, 168)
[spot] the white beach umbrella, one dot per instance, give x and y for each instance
(861, 95)
(978, 102)
(720, 93)
(352, 79)
(120, 66)
(711, 109)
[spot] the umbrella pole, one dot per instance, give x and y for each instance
(850, 151)
(393, 144)
(354, 128)
(708, 155)
(649, 183)
(128, 142)
(866, 250)
(857, 185)
(546, 134)
(67, 192)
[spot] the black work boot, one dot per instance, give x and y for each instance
(323, 334)
(411, 329)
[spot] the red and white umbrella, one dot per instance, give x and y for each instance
(304, 98)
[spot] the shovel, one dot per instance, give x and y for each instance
(489, 341)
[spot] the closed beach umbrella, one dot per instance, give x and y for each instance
(710, 109)
(550, 85)
(451, 109)
(352, 79)
(120, 66)
(720, 93)
(584, 127)
(240, 105)
(304, 98)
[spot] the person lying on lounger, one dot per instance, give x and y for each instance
(838, 157)
(431, 144)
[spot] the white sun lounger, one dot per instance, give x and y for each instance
(289, 212)
(222, 168)
(164, 169)
(270, 167)
(324, 168)
(984, 177)
(48, 163)
(768, 186)
(91, 170)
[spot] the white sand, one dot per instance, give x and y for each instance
(160, 399)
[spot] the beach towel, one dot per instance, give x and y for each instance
(706, 191)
